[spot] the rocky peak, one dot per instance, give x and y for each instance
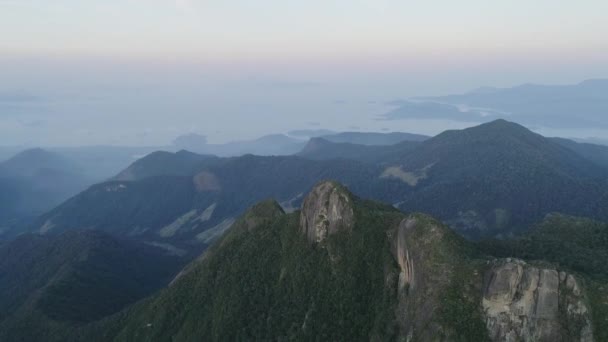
(523, 302)
(326, 210)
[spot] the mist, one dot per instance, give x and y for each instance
(73, 102)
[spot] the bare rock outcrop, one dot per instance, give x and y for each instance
(402, 255)
(424, 259)
(522, 302)
(326, 210)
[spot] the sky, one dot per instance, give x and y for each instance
(141, 72)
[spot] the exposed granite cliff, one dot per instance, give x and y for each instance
(382, 276)
(512, 300)
(326, 210)
(428, 260)
(528, 303)
(402, 255)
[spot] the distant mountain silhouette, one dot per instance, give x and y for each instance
(582, 105)
(492, 179)
(372, 139)
(275, 144)
(33, 182)
(323, 149)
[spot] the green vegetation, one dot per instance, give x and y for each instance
(459, 305)
(270, 282)
(494, 179)
(49, 285)
(502, 166)
(322, 149)
(578, 244)
(141, 208)
(264, 280)
(123, 207)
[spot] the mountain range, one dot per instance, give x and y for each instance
(499, 177)
(494, 179)
(281, 144)
(347, 268)
(70, 170)
(488, 233)
(33, 182)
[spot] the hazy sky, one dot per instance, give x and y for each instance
(144, 71)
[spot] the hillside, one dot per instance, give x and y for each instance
(580, 244)
(373, 139)
(99, 163)
(161, 163)
(489, 180)
(267, 145)
(28, 163)
(32, 182)
(49, 284)
(595, 153)
(499, 177)
(186, 213)
(322, 149)
(344, 268)
(9, 208)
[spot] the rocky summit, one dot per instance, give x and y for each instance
(344, 268)
(327, 210)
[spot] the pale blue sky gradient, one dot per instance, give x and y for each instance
(351, 31)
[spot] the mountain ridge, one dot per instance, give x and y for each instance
(383, 275)
(487, 180)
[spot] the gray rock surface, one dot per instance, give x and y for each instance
(522, 302)
(423, 277)
(326, 210)
(402, 256)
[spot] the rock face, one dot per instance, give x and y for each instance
(527, 303)
(425, 269)
(402, 255)
(326, 210)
